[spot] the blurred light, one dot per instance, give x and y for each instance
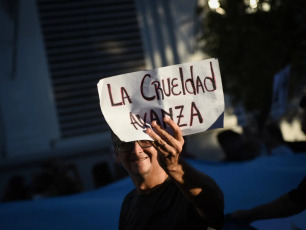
(201, 3)
(220, 10)
(213, 4)
(266, 6)
(253, 4)
(250, 10)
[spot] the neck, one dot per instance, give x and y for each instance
(148, 183)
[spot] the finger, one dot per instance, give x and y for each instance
(177, 133)
(163, 133)
(174, 144)
(152, 134)
(178, 140)
(164, 148)
(158, 129)
(160, 143)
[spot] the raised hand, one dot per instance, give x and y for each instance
(169, 147)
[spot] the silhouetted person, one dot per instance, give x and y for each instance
(42, 184)
(169, 193)
(101, 174)
(286, 205)
(236, 147)
(57, 179)
(16, 190)
(274, 141)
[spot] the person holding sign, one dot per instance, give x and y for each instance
(148, 113)
(169, 193)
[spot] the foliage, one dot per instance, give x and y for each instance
(253, 46)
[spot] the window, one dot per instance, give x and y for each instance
(86, 41)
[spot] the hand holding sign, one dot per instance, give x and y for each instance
(190, 94)
(169, 147)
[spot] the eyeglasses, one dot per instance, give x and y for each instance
(128, 146)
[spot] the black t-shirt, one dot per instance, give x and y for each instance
(164, 208)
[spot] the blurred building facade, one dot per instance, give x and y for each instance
(53, 54)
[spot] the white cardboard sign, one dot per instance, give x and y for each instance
(191, 94)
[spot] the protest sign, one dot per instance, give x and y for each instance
(191, 94)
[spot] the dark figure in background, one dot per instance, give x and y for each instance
(288, 204)
(66, 178)
(101, 174)
(169, 193)
(42, 185)
(300, 146)
(57, 179)
(274, 141)
(236, 147)
(16, 190)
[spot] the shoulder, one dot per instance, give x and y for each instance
(130, 195)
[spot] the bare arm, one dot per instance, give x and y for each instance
(198, 187)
